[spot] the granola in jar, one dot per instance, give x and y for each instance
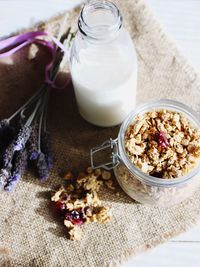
(159, 148)
(156, 156)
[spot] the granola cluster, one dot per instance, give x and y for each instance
(78, 201)
(163, 144)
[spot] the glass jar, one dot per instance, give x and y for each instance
(103, 65)
(142, 187)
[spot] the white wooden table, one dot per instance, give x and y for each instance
(181, 20)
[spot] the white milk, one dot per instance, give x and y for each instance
(105, 84)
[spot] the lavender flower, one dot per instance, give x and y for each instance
(16, 145)
(22, 137)
(33, 143)
(42, 167)
(18, 169)
(46, 149)
(8, 155)
(4, 176)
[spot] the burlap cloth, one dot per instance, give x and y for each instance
(29, 235)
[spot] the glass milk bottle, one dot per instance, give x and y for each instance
(103, 65)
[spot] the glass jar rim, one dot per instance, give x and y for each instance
(158, 104)
(87, 30)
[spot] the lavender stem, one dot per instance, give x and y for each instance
(32, 116)
(34, 97)
(40, 126)
(45, 112)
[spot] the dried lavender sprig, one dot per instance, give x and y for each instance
(46, 139)
(17, 145)
(46, 148)
(18, 169)
(25, 132)
(33, 143)
(42, 167)
(8, 155)
(40, 123)
(4, 175)
(21, 139)
(45, 113)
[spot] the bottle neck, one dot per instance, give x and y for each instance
(100, 20)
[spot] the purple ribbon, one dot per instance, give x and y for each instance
(15, 43)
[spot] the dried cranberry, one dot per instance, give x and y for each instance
(75, 217)
(162, 139)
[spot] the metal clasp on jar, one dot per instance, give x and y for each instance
(115, 158)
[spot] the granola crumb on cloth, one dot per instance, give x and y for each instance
(163, 144)
(78, 202)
